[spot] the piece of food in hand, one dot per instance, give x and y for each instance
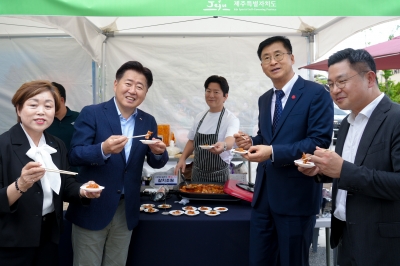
(92, 184)
(148, 134)
(304, 158)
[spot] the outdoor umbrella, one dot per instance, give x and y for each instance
(385, 54)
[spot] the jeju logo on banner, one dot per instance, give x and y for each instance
(216, 6)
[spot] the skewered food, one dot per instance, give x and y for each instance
(148, 134)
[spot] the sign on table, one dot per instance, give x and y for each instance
(165, 180)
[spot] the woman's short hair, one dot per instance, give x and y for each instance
(31, 89)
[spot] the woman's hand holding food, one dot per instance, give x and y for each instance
(31, 173)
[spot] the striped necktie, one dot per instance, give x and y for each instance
(278, 109)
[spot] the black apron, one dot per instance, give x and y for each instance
(208, 167)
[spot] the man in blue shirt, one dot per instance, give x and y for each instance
(102, 149)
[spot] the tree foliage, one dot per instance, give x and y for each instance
(390, 88)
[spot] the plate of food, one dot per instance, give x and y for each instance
(147, 205)
(305, 165)
(206, 146)
(204, 208)
(212, 213)
(92, 187)
(164, 206)
(148, 141)
(176, 212)
(189, 208)
(151, 210)
(192, 213)
(303, 162)
(221, 209)
(141, 208)
(239, 151)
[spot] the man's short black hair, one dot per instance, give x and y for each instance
(360, 60)
(138, 67)
(220, 80)
(61, 90)
(282, 39)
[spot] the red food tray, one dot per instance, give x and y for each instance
(235, 191)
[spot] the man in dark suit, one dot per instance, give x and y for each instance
(365, 167)
(285, 202)
(100, 146)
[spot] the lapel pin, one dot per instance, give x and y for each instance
(140, 118)
(293, 97)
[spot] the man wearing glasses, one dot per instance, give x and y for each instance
(365, 168)
(294, 117)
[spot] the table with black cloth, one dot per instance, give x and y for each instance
(184, 240)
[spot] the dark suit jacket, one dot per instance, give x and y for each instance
(373, 187)
(306, 122)
(20, 223)
(94, 125)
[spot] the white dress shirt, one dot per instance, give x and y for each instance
(350, 147)
(286, 89)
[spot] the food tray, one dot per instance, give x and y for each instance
(231, 188)
(204, 196)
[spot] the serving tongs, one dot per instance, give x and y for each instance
(183, 178)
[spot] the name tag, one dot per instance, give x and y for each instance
(165, 180)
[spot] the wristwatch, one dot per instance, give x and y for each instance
(224, 146)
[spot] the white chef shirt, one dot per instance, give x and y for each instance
(229, 125)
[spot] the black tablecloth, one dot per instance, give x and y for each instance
(184, 240)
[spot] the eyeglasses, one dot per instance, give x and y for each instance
(277, 57)
(340, 84)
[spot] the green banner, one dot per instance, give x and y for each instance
(201, 7)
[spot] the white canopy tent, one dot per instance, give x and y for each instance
(181, 51)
